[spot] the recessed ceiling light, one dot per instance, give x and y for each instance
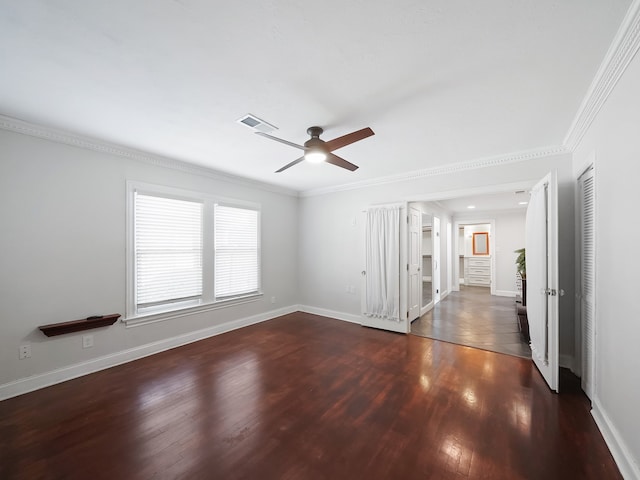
(523, 203)
(471, 206)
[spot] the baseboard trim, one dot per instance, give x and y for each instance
(626, 463)
(346, 317)
(505, 293)
(36, 382)
(566, 361)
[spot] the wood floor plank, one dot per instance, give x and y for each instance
(306, 397)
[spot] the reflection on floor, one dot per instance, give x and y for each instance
(475, 318)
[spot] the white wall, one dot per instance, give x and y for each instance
(510, 235)
(62, 248)
(332, 247)
(614, 139)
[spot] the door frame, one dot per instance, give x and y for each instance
(436, 261)
(449, 257)
(415, 291)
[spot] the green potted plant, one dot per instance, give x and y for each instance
(521, 265)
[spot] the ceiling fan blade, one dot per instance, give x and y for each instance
(295, 162)
(340, 162)
(348, 139)
(291, 144)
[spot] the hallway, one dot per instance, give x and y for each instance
(475, 318)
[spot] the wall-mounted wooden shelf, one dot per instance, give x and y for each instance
(79, 325)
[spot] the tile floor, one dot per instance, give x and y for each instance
(475, 318)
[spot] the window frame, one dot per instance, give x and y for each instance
(207, 302)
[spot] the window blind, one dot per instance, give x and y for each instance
(168, 250)
(236, 251)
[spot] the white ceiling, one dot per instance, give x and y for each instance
(494, 202)
(439, 81)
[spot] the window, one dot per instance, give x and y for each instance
(168, 251)
(189, 251)
(236, 251)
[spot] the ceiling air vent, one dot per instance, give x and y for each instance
(256, 124)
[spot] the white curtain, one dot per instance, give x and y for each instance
(382, 291)
(536, 258)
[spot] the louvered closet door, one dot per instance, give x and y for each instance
(587, 282)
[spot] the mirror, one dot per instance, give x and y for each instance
(481, 243)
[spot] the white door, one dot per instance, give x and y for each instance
(415, 263)
(384, 270)
(541, 245)
(587, 278)
(435, 277)
(448, 257)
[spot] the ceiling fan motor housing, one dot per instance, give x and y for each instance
(314, 132)
(315, 144)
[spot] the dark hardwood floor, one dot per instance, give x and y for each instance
(306, 397)
(475, 318)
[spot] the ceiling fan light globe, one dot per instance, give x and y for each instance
(315, 157)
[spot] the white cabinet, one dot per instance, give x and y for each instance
(477, 271)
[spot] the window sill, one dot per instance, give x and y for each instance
(136, 321)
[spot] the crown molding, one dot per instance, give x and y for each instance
(443, 170)
(622, 50)
(59, 136)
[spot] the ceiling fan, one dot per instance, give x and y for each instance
(317, 150)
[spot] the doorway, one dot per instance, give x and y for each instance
(477, 307)
(505, 214)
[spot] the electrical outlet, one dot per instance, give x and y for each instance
(352, 289)
(87, 341)
(346, 289)
(25, 351)
(273, 299)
